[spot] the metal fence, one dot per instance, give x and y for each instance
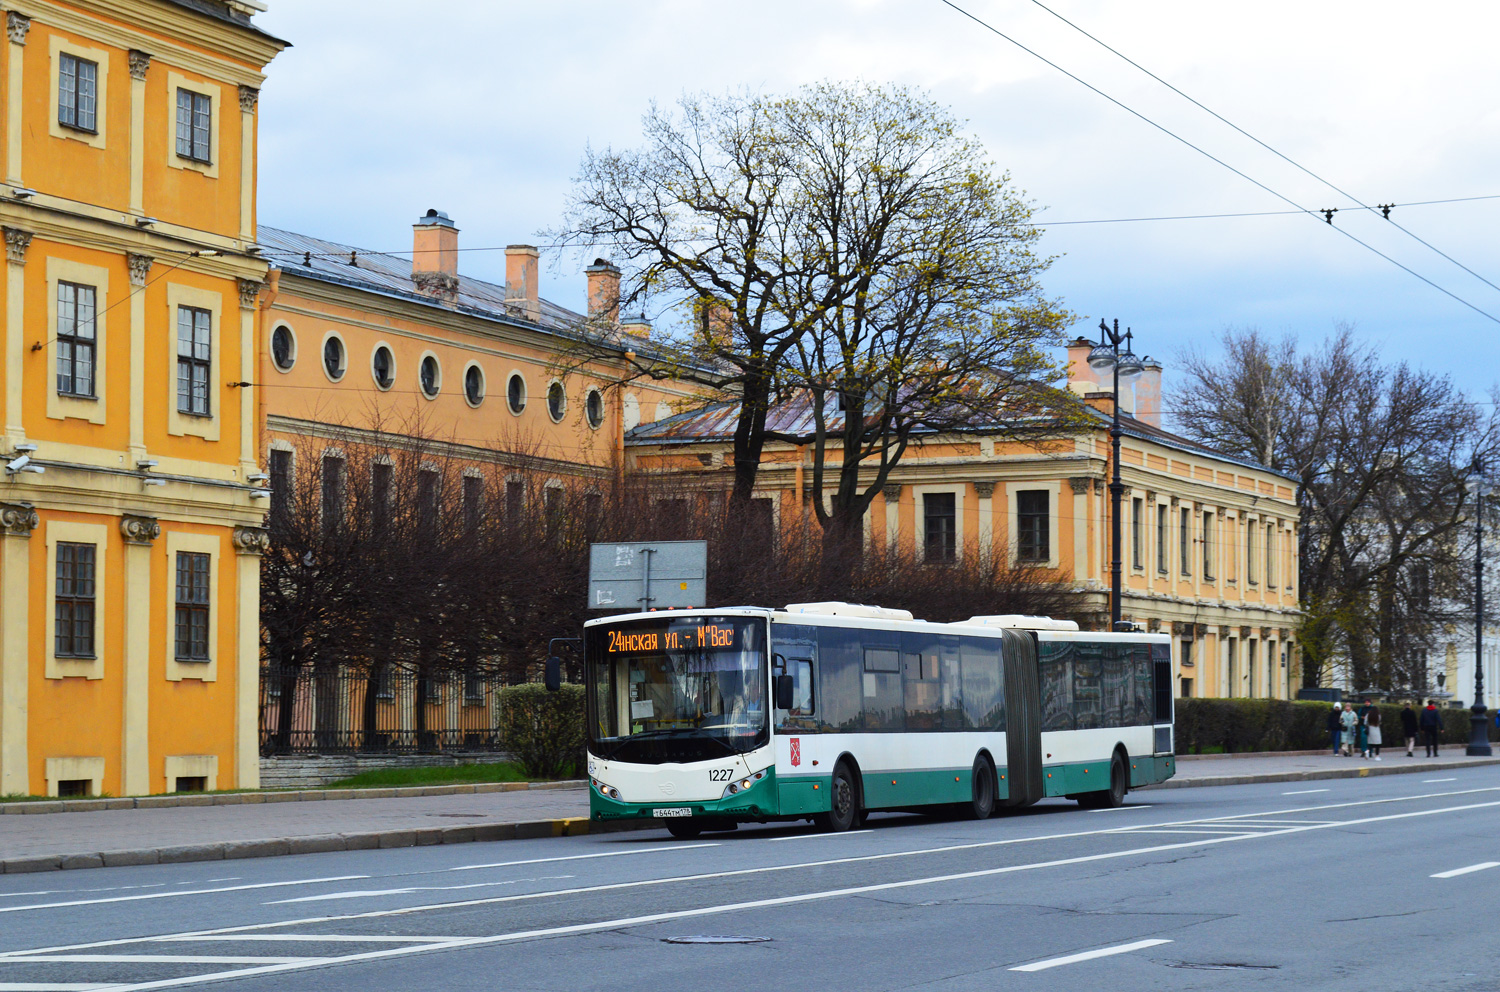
(323, 710)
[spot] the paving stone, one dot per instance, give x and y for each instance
(15, 866)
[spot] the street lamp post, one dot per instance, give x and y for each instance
(1108, 354)
(1479, 736)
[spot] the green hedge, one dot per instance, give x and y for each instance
(543, 730)
(1231, 725)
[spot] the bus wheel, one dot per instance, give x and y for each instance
(983, 803)
(843, 799)
(686, 829)
(1113, 796)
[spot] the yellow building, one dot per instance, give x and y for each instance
(130, 519)
(1209, 542)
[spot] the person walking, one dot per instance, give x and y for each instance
(1349, 720)
(1335, 728)
(1362, 730)
(1409, 728)
(1372, 731)
(1431, 722)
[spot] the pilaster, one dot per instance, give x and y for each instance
(16, 26)
(249, 97)
(139, 63)
(16, 243)
(986, 493)
(249, 544)
(249, 294)
(140, 268)
(892, 494)
(135, 750)
(17, 521)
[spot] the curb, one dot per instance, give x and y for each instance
(1362, 771)
(573, 826)
(290, 796)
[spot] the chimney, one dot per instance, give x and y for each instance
(521, 279)
(434, 256)
(604, 291)
(1082, 379)
(1148, 392)
(636, 327)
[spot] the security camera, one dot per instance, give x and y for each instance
(18, 464)
(260, 494)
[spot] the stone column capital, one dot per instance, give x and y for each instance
(16, 243)
(1080, 484)
(16, 26)
(18, 519)
(251, 540)
(139, 62)
(249, 293)
(249, 98)
(892, 492)
(984, 490)
(140, 268)
(138, 529)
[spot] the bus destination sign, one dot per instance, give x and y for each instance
(697, 637)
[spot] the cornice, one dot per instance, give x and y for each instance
(67, 220)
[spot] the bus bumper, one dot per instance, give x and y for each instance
(758, 802)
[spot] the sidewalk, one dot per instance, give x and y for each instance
(203, 832)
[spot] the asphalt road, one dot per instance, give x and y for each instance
(1359, 884)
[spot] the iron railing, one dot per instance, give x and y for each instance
(338, 710)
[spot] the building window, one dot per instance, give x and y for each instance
(427, 500)
(1137, 549)
(515, 393)
(192, 605)
(593, 408)
(332, 507)
(333, 358)
(76, 343)
(1185, 541)
(940, 522)
(429, 376)
(515, 500)
(383, 367)
(474, 385)
(194, 360)
(557, 401)
(473, 689)
(283, 348)
(77, 93)
(1208, 546)
(380, 494)
(473, 502)
(281, 486)
(1250, 535)
(75, 601)
(1033, 530)
(1270, 555)
(1161, 538)
(194, 125)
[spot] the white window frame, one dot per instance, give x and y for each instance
(59, 46)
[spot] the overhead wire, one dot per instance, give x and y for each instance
(1274, 151)
(1214, 158)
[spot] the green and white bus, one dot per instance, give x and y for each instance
(824, 711)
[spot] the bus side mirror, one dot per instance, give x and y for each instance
(783, 685)
(553, 677)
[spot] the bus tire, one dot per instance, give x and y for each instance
(843, 802)
(687, 829)
(983, 802)
(1112, 797)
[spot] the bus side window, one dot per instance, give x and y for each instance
(801, 671)
(1056, 663)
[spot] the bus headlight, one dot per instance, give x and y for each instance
(605, 790)
(737, 787)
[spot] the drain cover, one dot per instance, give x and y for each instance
(706, 939)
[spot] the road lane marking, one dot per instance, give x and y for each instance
(180, 893)
(1464, 871)
(1305, 792)
(375, 893)
(1428, 781)
(155, 959)
(1117, 809)
(315, 938)
(613, 924)
(846, 833)
(54, 986)
(573, 857)
(1102, 952)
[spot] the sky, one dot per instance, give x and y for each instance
(484, 109)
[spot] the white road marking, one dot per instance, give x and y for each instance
(315, 938)
(74, 892)
(154, 959)
(374, 893)
(1102, 952)
(614, 924)
(1118, 809)
(580, 857)
(1305, 792)
(846, 833)
(52, 986)
(1464, 871)
(1427, 781)
(180, 893)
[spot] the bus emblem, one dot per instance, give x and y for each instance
(796, 751)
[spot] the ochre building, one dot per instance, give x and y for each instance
(129, 520)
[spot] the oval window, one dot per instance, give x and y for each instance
(283, 348)
(474, 385)
(333, 358)
(593, 408)
(383, 366)
(557, 401)
(515, 393)
(430, 376)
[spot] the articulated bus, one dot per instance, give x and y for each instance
(825, 711)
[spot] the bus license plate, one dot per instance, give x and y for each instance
(673, 811)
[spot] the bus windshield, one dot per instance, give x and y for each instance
(680, 689)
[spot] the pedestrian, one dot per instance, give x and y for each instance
(1372, 731)
(1350, 721)
(1409, 728)
(1431, 722)
(1335, 728)
(1362, 730)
